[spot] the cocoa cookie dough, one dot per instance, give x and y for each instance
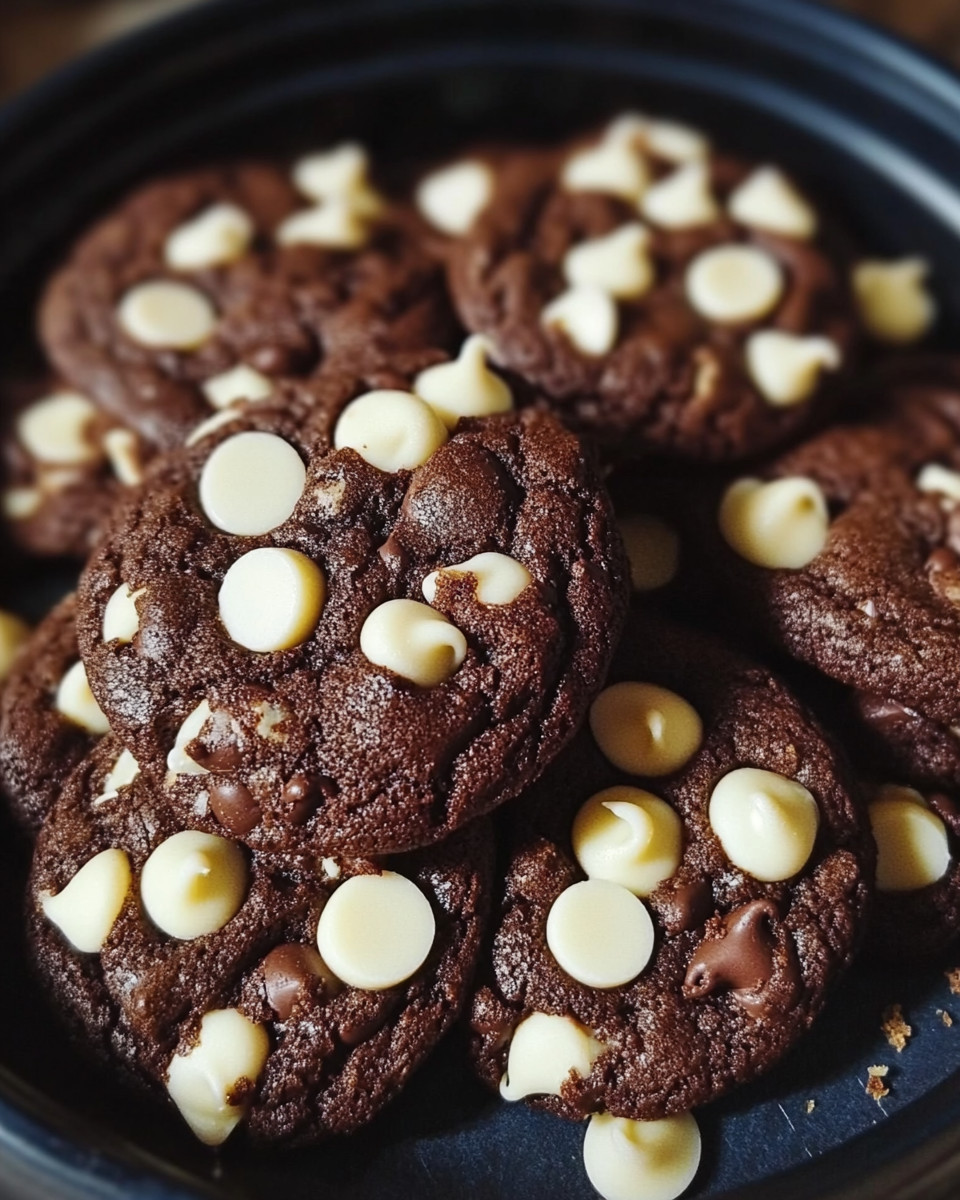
(252, 990)
(65, 460)
(48, 718)
(358, 649)
(661, 296)
(843, 551)
(203, 288)
(683, 887)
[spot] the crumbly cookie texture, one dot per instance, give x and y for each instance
(745, 848)
(48, 718)
(699, 307)
(458, 615)
(204, 928)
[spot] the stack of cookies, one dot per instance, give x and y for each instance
(339, 465)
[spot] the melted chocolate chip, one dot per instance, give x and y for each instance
(287, 971)
(882, 714)
(216, 748)
(303, 796)
(232, 803)
(744, 959)
(686, 906)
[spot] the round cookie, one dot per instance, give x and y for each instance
(660, 295)
(65, 461)
(198, 290)
(48, 718)
(141, 930)
(733, 855)
(317, 674)
(910, 772)
(841, 551)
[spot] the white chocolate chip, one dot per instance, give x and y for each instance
(629, 837)
(341, 172)
(768, 200)
(628, 127)
(240, 383)
(391, 430)
(618, 263)
(178, 761)
(121, 621)
(781, 524)
(376, 931)
(641, 1160)
(452, 198)
(588, 317)
(14, 633)
(645, 729)
(913, 848)
(87, 908)
(231, 1051)
(75, 701)
(600, 933)
(787, 368)
(544, 1052)
(414, 641)
(123, 450)
(220, 234)
(465, 387)
(734, 283)
(167, 315)
(251, 483)
(123, 772)
(211, 425)
(271, 599)
(613, 166)
(21, 503)
(895, 305)
(500, 579)
(766, 823)
(55, 430)
(271, 715)
(336, 223)
(653, 550)
(682, 200)
(193, 884)
(940, 481)
(675, 142)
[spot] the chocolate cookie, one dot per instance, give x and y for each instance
(197, 965)
(909, 770)
(661, 295)
(201, 289)
(65, 461)
(842, 550)
(48, 718)
(683, 887)
(269, 651)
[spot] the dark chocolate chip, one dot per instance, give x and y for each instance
(743, 959)
(234, 807)
(684, 907)
(287, 971)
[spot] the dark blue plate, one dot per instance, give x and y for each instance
(874, 127)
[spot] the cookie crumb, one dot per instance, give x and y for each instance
(876, 1088)
(945, 1017)
(894, 1027)
(810, 1106)
(953, 978)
